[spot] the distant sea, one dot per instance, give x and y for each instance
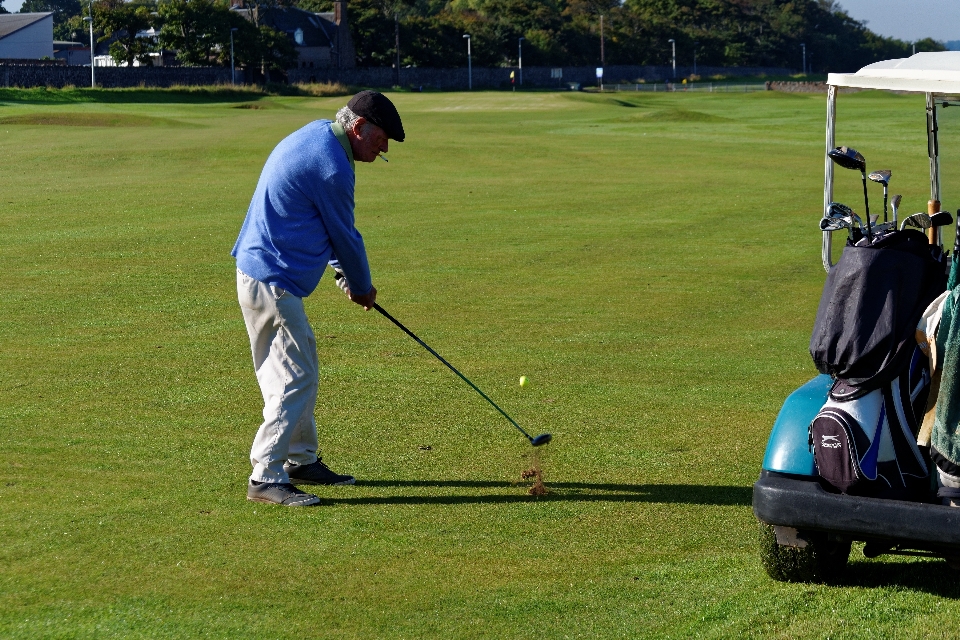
(953, 45)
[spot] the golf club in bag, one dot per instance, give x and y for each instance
(883, 177)
(918, 221)
(840, 216)
(851, 159)
(895, 204)
(540, 440)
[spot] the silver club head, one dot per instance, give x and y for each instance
(895, 204)
(882, 176)
(835, 223)
(918, 220)
(838, 209)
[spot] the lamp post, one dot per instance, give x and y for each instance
(804, 47)
(520, 58)
(233, 67)
(695, 45)
(93, 52)
(673, 45)
(602, 61)
(396, 47)
(469, 64)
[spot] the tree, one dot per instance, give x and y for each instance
(262, 48)
(62, 9)
(71, 29)
(929, 44)
(2, 10)
(122, 21)
(276, 51)
(199, 30)
(763, 33)
(196, 29)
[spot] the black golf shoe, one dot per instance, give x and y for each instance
(315, 473)
(280, 493)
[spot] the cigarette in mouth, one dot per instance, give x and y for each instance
(382, 157)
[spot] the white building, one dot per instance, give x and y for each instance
(26, 36)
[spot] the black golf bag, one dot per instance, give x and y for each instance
(873, 298)
(865, 442)
(864, 438)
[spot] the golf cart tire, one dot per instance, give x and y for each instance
(821, 559)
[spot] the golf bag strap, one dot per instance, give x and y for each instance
(948, 492)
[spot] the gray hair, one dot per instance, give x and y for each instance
(347, 118)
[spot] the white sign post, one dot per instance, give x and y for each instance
(558, 74)
(600, 77)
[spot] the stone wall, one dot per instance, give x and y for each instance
(36, 75)
(804, 87)
(798, 87)
(499, 77)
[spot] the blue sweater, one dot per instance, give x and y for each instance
(301, 216)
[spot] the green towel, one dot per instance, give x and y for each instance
(946, 428)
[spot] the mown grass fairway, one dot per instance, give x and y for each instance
(650, 263)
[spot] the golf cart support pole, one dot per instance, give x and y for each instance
(828, 175)
(933, 151)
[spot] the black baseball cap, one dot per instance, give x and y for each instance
(378, 109)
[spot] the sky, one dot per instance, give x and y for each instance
(908, 19)
(904, 19)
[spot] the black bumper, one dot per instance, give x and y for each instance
(805, 505)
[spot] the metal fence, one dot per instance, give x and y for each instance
(710, 87)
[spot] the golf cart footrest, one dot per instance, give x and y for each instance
(805, 505)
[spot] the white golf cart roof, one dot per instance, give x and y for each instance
(922, 73)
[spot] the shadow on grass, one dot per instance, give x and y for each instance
(559, 492)
(932, 576)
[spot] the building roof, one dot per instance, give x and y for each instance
(926, 72)
(316, 29)
(13, 22)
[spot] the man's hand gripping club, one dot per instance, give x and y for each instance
(365, 301)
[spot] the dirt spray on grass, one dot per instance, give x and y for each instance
(534, 471)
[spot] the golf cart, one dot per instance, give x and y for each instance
(808, 524)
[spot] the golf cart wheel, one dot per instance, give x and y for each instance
(820, 560)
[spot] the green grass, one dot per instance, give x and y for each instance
(650, 262)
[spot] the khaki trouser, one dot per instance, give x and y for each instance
(285, 359)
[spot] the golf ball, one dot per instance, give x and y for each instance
(523, 381)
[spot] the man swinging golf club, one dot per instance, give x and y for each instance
(300, 219)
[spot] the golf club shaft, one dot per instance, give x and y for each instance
(866, 205)
(451, 367)
(884, 203)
